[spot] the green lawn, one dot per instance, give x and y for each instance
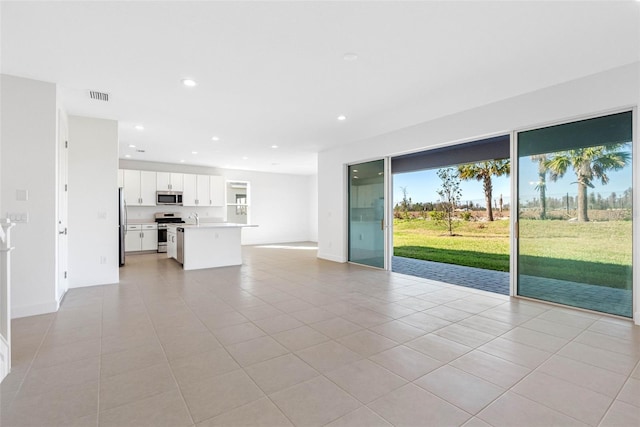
(594, 252)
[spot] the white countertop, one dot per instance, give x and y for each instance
(214, 225)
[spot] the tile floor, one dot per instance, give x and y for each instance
(287, 339)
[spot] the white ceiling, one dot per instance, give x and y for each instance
(273, 73)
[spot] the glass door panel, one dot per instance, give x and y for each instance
(575, 214)
(366, 213)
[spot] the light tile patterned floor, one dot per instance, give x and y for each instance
(287, 339)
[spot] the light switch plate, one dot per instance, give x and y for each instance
(22, 195)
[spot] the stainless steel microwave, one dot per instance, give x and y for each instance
(169, 198)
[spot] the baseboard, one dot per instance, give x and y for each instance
(330, 257)
(34, 310)
(88, 285)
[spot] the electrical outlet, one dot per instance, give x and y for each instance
(103, 259)
(18, 217)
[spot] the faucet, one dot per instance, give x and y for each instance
(196, 217)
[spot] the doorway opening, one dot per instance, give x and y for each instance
(452, 212)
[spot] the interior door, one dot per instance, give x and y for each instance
(367, 213)
(63, 206)
(575, 214)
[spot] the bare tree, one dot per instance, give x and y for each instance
(450, 195)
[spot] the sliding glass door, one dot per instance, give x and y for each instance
(574, 217)
(367, 213)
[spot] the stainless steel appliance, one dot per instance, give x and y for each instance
(122, 223)
(169, 198)
(164, 218)
(180, 245)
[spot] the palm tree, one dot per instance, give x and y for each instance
(588, 164)
(483, 171)
(542, 182)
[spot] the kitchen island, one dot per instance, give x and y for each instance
(206, 245)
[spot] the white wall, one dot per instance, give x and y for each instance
(594, 94)
(93, 201)
(313, 208)
(279, 203)
(29, 163)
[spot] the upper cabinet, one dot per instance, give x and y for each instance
(203, 190)
(139, 188)
(216, 190)
(197, 190)
(169, 181)
(189, 192)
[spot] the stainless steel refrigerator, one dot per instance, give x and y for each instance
(122, 222)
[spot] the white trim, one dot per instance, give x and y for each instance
(346, 203)
(388, 215)
(35, 309)
(5, 358)
(513, 219)
(635, 179)
(330, 257)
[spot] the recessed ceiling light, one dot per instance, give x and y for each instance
(355, 177)
(194, 152)
(355, 170)
(127, 155)
(350, 56)
(342, 117)
(132, 146)
(245, 158)
(275, 164)
(274, 146)
(215, 138)
(139, 127)
(182, 161)
(189, 82)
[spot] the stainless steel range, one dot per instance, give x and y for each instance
(164, 218)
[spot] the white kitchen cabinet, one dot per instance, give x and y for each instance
(132, 241)
(196, 190)
(141, 237)
(139, 188)
(216, 190)
(149, 238)
(202, 189)
(169, 181)
(189, 191)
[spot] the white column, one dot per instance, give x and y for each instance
(5, 300)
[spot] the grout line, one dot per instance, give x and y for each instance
(155, 330)
(615, 399)
(35, 355)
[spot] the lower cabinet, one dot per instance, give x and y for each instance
(141, 237)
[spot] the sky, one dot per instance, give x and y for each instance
(422, 185)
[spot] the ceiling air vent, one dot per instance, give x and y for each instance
(99, 96)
